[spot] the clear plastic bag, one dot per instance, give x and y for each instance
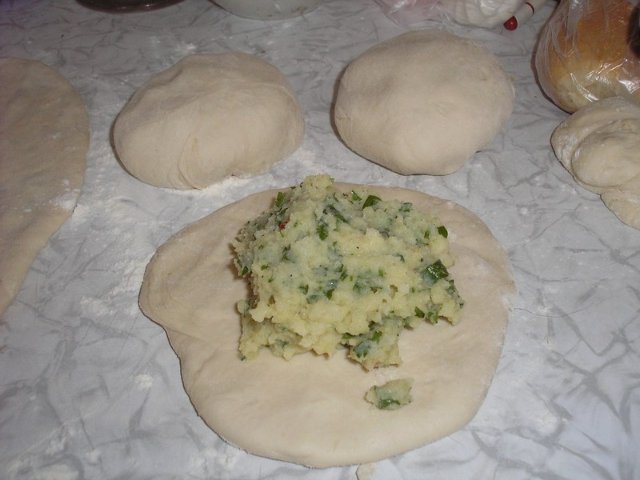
(479, 13)
(409, 12)
(585, 52)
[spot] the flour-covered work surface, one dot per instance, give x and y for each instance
(91, 388)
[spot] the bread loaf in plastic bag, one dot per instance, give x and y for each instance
(586, 52)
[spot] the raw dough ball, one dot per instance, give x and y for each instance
(600, 146)
(423, 102)
(206, 118)
(311, 410)
(44, 138)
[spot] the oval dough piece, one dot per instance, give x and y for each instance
(206, 118)
(44, 138)
(311, 410)
(423, 102)
(600, 146)
(610, 156)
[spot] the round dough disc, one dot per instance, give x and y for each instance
(423, 102)
(311, 409)
(206, 118)
(44, 138)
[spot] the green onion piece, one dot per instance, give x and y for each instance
(386, 403)
(286, 253)
(443, 231)
(370, 201)
(362, 349)
(322, 231)
(435, 272)
(405, 207)
(334, 211)
(280, 198)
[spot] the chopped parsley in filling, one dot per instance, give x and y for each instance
(330, 270)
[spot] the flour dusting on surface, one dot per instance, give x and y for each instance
(66, 201)
(144, 381)
(60, 471)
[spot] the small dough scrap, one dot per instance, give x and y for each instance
(206, 118)
(423, 102)
(44, 139)
(600, 145)
(310, 410)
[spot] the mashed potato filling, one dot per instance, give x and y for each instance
(333, 270)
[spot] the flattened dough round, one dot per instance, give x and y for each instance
(206, 118)
(44, 138)
(423, 102)
(311, 410)
(600, 145)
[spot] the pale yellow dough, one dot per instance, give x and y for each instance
(44, 138)
(423, 102)
(206, 118)
(600, 146)
(311, 410)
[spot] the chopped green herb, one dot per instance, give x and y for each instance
(388, 404)
(406, 207)
(322, 230)
(435, 272)
(443, 231)
(370, 201)
(313, 298)
(280, 198)
(346, 337)
(334, 211)
(286, 253)
(433, 316)
(362, 349)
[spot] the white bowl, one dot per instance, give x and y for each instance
(268, 9)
